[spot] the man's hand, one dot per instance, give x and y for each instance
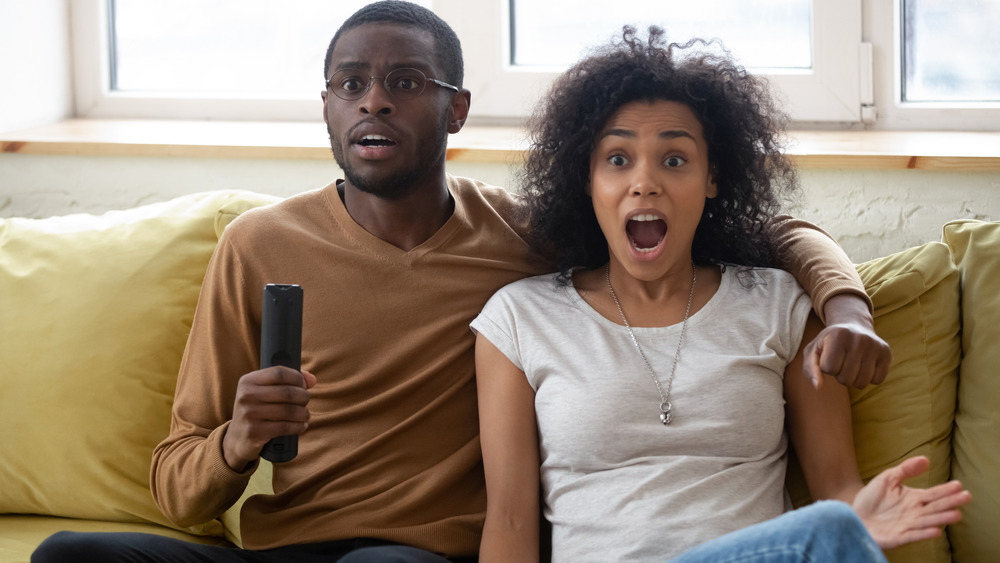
(269, 403)
(895, 514)
(848, 348)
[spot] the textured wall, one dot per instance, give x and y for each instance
(872, 213)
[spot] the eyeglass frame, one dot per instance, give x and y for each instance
(385, 84)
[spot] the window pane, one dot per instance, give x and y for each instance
(761, 34)
(950, 50)
(246, 48)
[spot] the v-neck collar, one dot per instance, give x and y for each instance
(378, 246)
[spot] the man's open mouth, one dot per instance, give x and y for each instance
(376, 141)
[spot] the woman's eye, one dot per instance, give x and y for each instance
(618, 160)
(674, 161)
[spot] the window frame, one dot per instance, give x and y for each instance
(830, 92)
(848, 73)
(94, 98)
(883, 22)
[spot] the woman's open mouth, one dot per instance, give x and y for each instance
(645, 232)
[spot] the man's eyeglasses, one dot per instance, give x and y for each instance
(402, 84)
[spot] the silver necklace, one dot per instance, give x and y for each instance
(665, 406)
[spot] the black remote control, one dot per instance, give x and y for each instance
(281, 345)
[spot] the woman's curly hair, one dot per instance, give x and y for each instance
(742, 126)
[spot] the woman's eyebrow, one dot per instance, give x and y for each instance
(618, 133)
(675, 134)
(628, 133)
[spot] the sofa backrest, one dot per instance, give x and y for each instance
(975, 247)
(95, 316)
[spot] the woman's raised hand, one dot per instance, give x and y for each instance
(895, 514)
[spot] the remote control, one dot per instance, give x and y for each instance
(281, 345)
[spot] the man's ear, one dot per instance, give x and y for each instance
(325, 118)
(460, 102)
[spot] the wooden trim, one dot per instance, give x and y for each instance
(878, 150)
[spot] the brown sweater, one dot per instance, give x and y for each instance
(392, 450)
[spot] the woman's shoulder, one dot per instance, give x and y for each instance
(532, 287)
(523, 301)
(764, 290)
(761, 278)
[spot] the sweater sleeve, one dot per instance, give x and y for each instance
(189, 477)
(816, 260)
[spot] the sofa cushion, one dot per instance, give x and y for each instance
(915, 295)
(975, 246)
(95, 318)
(916, 298)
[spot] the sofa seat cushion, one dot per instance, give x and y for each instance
(22, 533)
(975, 246)
(96, 315)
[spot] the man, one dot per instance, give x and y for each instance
(394, 261)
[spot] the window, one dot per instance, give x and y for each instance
(948, 55)
(203, 59)
(828, 89)
(922, 49)
(249, 48)
(254, 59)
(767, 34)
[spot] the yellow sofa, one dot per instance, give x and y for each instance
(96, 309)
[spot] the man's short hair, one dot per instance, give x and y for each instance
(448, 49)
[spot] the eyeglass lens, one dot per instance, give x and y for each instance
(402, 83)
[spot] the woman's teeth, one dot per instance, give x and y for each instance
(645, 217)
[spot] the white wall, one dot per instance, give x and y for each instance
(35, 76)
(41, 185)
(871, 213)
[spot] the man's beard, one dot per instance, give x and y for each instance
(404, 181)
(395, 187)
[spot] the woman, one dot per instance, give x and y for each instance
(648, 384)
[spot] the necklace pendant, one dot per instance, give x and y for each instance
(665, 408)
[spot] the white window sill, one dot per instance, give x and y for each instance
(885, 150)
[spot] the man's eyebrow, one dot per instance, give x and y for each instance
(361, 65)
(350, 65)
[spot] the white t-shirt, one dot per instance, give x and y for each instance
(619, 485)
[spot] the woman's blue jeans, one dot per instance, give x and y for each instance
(826, 531)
